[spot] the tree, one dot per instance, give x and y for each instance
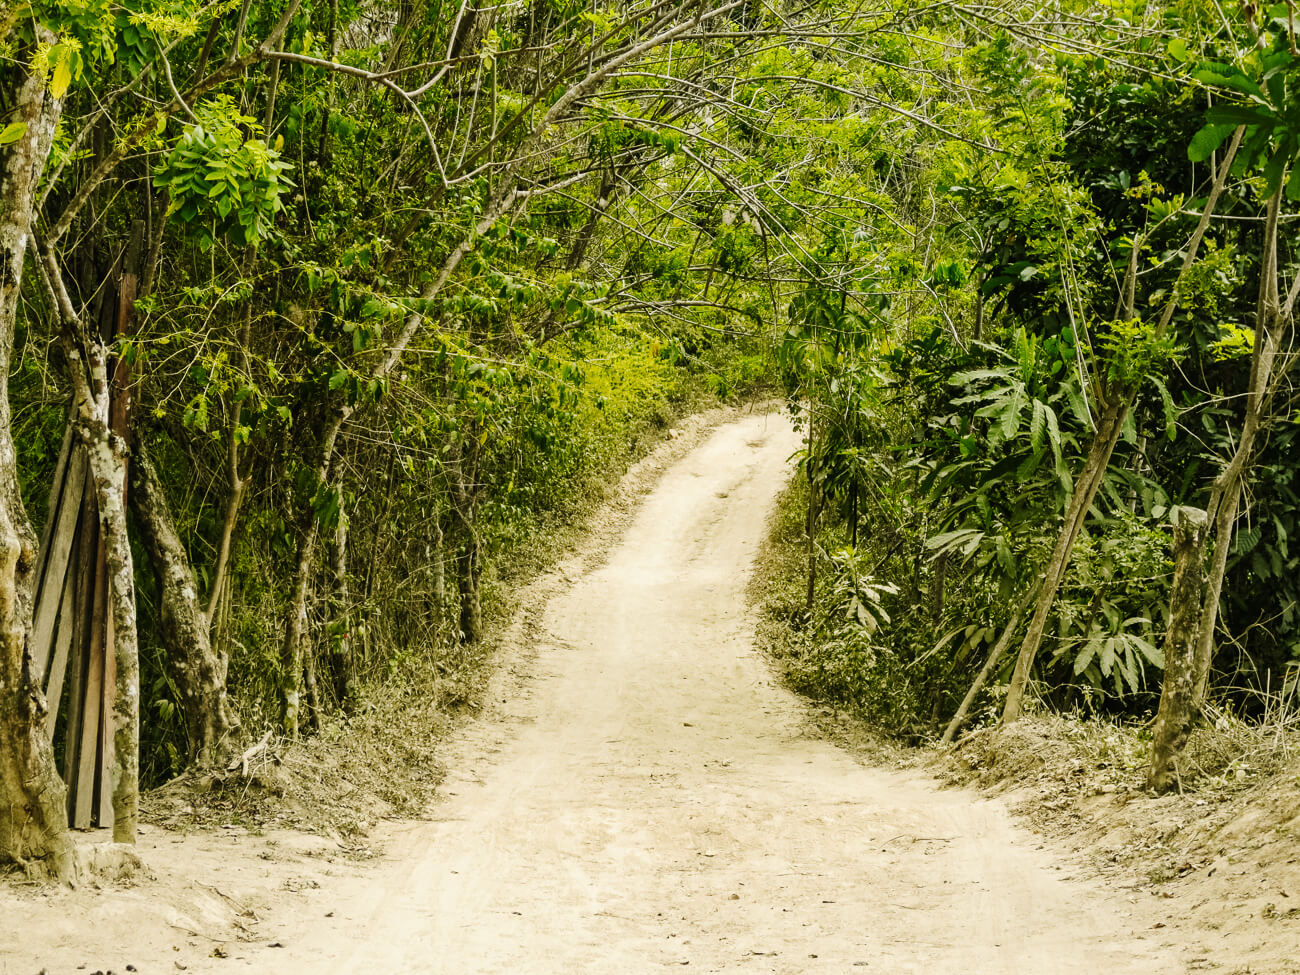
(33, 821)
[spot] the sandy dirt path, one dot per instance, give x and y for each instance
(650, 799)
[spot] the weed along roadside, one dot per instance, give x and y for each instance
(508, 456)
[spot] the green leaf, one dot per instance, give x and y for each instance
(1011, 415)
(1054, 436)
(1153, 653)
(1275, 168)
(1293, 184)
(1207, 140)
(1167, 401)
(1246, 540)
(12, 132)
(1225, 114)
(1077, 406)
(1227, 76)
(61, 80)
(1082, 661)
(963, 540)
(1106, 659)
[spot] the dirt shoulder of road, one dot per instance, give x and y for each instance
(1221, 855)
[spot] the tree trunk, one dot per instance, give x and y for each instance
(810, 526)
(1177, 698)
(1225, 517)
(99, 398)
(1108, 432)
(464, 500)
(33, 805)
(294, 630)
(194, 664)
(810, 530)
(467, 575)
(342, 667)
(1103, 445)
(107, 457)
(1271, 324)
(291, 656)
(439, 566)
(990, 664)
(311, 687)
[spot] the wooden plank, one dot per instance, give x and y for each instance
(56, 552)
(78, 664)
(88, 758)
(104, 781)
(63, 631)
(120, 391)
(60, 471)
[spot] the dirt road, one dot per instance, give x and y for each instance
(650, 800)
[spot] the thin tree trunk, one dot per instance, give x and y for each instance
(810, 526)
(465, 491)
(33, 800)
(106, 453)
(195, 665)
(990, 664)
(342, 667)
(1271, 323)
(1108, 432)
(604, 198)
(439, 565)
(238, 484)
(1103, 444)
(311, 687)
(1177, 696)
(228, 523)
(471, 605)
(853, 518)
(379, 535)
(291, 655)
(1225, 517)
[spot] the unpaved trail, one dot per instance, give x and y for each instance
(656, 802)
(652, 800)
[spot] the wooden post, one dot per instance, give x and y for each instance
(1177, 698)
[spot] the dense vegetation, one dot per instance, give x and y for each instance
(1096, 339)
(411, 277)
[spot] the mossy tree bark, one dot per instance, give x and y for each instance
(33, 801)
(1177, 698)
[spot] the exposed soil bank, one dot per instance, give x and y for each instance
(1220, 862)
